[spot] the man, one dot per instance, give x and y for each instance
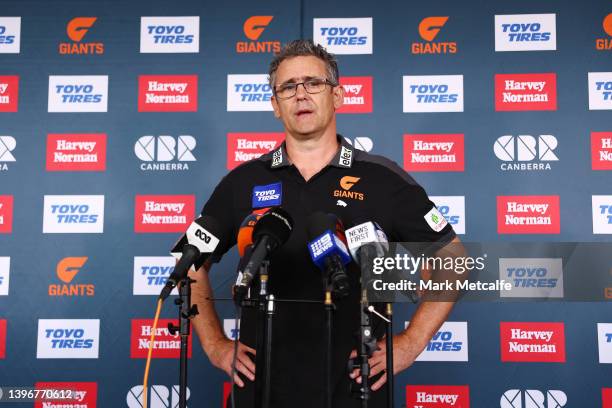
(309, 173)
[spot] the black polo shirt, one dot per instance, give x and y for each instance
(355, 185)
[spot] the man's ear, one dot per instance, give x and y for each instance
(275, 107)
(338, 92)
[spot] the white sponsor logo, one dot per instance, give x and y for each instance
(229, 327)
(81, 93)
(248, 93)
(151, 274)
(435, 220)
(7, 145)
(163, 152)
(361, 143)
(449, 343)
(68, 338)
(525, 32)
(433, 93)
(346, 157)
(344, 35)
(604, 337)
(453, 210)
(526, 148)
(73, 214)
(602, 214)
(159, 396)
(10, 35)
(600, 90)
(533, 399)
(532, 277)
(169, 34)
(5, 266)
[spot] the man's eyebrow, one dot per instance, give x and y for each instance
(294, 80)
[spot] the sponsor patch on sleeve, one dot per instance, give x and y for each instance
(435, 219)
(269, 195)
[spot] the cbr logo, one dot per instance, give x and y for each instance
(430, 27)
(159, 396)
(533, 399)
(347, 182)
(78, 27)
(67, 268)
(202, 235)
(254, 26)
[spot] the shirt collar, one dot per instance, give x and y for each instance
(343, 158)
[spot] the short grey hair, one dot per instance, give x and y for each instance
(303, 48)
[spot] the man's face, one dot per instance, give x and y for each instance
(306, 114)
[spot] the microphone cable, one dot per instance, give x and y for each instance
(150, 354)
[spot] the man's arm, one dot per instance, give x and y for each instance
(218, 348)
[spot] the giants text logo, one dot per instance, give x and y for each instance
(435, 152)
(7, 145)
(437, 396)
(344, 35)
(76, 29)
(532, 342)
(165, 345)
(83, 93)
(453, 209)
(357, 95)
(248, 93)
(528, 215)
(532, 277)
(76, 152)
(85, 394)
(525, 92)
(604, 339)
(525, 32)
(605, 44)
(68, 338)
(242, 147)
(253, 28)
(66, 271)
(533, 399)
(6, 214)
(525, 152)
(429, 28)
(600, 90)
(151, 274)
(601, 150)
(9, 93)
(73, 214)
(170, 34)
(165, 153)
(602, 214)
(5, 267)
(10, 35)
(167, 93)
(163, 213)
(159, 396)
(433, 93)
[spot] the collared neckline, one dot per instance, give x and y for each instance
(343, 158)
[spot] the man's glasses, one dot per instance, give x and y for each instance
(312, 86)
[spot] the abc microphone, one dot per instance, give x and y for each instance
(193, 248)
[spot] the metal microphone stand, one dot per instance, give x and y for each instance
(263, 366)
(329, 310)
(389, 347)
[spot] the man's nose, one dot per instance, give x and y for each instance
(300, 91)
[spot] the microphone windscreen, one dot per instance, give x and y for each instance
(276, 223)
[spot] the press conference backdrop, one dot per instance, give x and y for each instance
(117, 119)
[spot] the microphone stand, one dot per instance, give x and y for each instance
(263, 367)
(389, 347)
(329, 309)
(186, 312)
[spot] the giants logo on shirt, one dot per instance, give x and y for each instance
(10, 35)
(85, 394)
(76, 152)
(163, 213)
(357, 94)
(242, 147)
(167, 93)
(9, 93)
(6, 214)
(435, 152)
(525, 92)
(2, 338)
(601, 150)
(532, 342)
(528, 215)
(437, 396)
(165, 344)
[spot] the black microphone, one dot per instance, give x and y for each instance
(270, 232)
(193, 248)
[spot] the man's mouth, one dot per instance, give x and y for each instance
(303, 112)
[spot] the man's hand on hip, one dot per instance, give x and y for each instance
(221, 354)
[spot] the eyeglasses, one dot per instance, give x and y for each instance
(312, 86)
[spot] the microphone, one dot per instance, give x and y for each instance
(327, 247)
(270, 232)
(366, 241)
(193, 248)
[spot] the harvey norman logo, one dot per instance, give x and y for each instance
(525, 32)
(170, 34)
(433, 93)
(165, 153)
(437, 396)
(600, 90)
(532, 277)
(76, 152)
(5, 266)
(525, 152)
(434, 152)
(601, 150)
(528, 215)
(81, 93)
(604, 339)
(6, 214)
(602, 214)
(163, 213)
(532, 342)
(344, 35)
(449, 343)
(85, 395)
(533, 399)
(165, 344)
(248, 93)
(9, 93)
(10, 35)
(357, 94)
(68, 338)
(151, 274)
(525, 92)
(73, 214)
(167, 93)
(452, 209)
(242, 147)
